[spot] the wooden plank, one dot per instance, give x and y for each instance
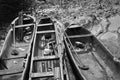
(76, 36)
(66, 69)
(32, 55)
(57, 72)
(40, 25)
(59, 39)
(10, 72)
(44, 58)
(24, 25)
(48, 31)
(14, 57)
(42, 74)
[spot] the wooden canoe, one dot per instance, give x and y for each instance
(89, 58)
(15, 53)
(45, 62)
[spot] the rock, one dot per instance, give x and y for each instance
(66, 24)
(113, 46)
(115, 23)
(109, 36)
(105, 24)
(96, 30)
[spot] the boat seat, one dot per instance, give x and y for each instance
(15, 57)
(77, 36)
(47, 31)
(11, 71)
(24, 25)
(45, 58)
(19, 45)
(42, 74)
(40, 25)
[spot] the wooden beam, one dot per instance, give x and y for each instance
(11, 71)
(42, 74)
(40, 25)
(24, 25)
(59, 39)
(66, 68)
(77, 36)
(14, 57)
(48, 31)
(44, 58)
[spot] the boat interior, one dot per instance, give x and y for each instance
(92, 59)
(26, 19)
(45, 61)
(14, 53)
(45, 20)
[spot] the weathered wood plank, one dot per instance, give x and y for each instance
(59, 38)
(44, 58)
(43, 74)
(76, 36)
(25, 25)
(66, 70)
(14, 57)
(40, 25)
(48, 31)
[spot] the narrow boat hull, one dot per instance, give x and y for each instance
(15, 54)
(45, 57)
(90, 59)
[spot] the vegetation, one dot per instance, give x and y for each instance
(9, 8)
